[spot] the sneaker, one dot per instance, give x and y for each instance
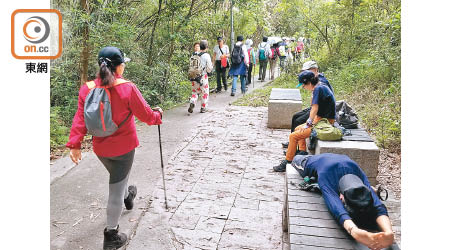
(202, 110)
(259, 78)
(281, 167)
(225, 87)
(285, 144)
(218, 90)
(132, 191)
(191, 108)
(232, 93)
(113, 239)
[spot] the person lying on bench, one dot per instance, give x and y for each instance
(349, 197)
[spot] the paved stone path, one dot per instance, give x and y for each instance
(222, 191)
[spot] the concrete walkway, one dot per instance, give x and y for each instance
(78, 194)
(222, 191)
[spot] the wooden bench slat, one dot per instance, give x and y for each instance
(308, 206)
(306, 247)
(300, 221)
(306, 199)
(321, 241)
(310, 214)
(319, 232)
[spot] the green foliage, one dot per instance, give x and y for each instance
(355, 42)
(59, 133)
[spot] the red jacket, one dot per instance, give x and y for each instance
(125, 97)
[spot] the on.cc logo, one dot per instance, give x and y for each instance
(39, 29)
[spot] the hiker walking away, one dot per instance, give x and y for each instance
(199, 67)
(252, 58)
(220, 57)
(273, 60)
(106, 107)
(323, 105)
(283, 54)
(301, 116)
(292, 49)
(263, 57)
(300, 48)
(349, 197)
(239, 64)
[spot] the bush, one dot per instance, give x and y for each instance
(59, 133)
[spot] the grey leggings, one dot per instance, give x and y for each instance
(119, 168)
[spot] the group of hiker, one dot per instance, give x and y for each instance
(107, 106)
(344, 186)
(240, 61)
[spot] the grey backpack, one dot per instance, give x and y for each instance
(97, 110)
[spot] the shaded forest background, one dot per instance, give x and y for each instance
(355, 42)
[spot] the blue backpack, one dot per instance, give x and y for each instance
(97, 110)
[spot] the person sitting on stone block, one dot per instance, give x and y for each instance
(349, 197)
(303, 115)
(323, 105)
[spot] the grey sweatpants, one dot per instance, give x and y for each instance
(119, 168)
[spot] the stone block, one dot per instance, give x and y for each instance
(366, 154)
(283, 104)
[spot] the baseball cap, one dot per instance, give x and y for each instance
(310, 65)
(219, 38)
(304, 77)
(356, 194)
(113, 55)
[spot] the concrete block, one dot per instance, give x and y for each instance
(366, 154)
(283, 104)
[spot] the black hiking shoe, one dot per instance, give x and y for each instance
(202, 110)
(132, 191)
(285, 144)
(191, 108)
(113, 239)
(281, 167)
(232, 93)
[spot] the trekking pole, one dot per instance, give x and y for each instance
(162, 166)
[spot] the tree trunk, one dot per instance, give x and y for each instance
(152, 36)
(85, 53)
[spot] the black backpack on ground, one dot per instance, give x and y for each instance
(236, 55)
(346, 116)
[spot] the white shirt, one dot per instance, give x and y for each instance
(266, 47)
(205, 61)
(224, 48)
(245, 52)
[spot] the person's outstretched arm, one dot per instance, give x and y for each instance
(141, 109)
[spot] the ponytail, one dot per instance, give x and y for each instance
(106, 72)
(314, 80)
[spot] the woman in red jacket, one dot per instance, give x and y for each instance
(116, 151)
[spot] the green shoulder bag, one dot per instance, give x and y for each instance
(326, 132)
